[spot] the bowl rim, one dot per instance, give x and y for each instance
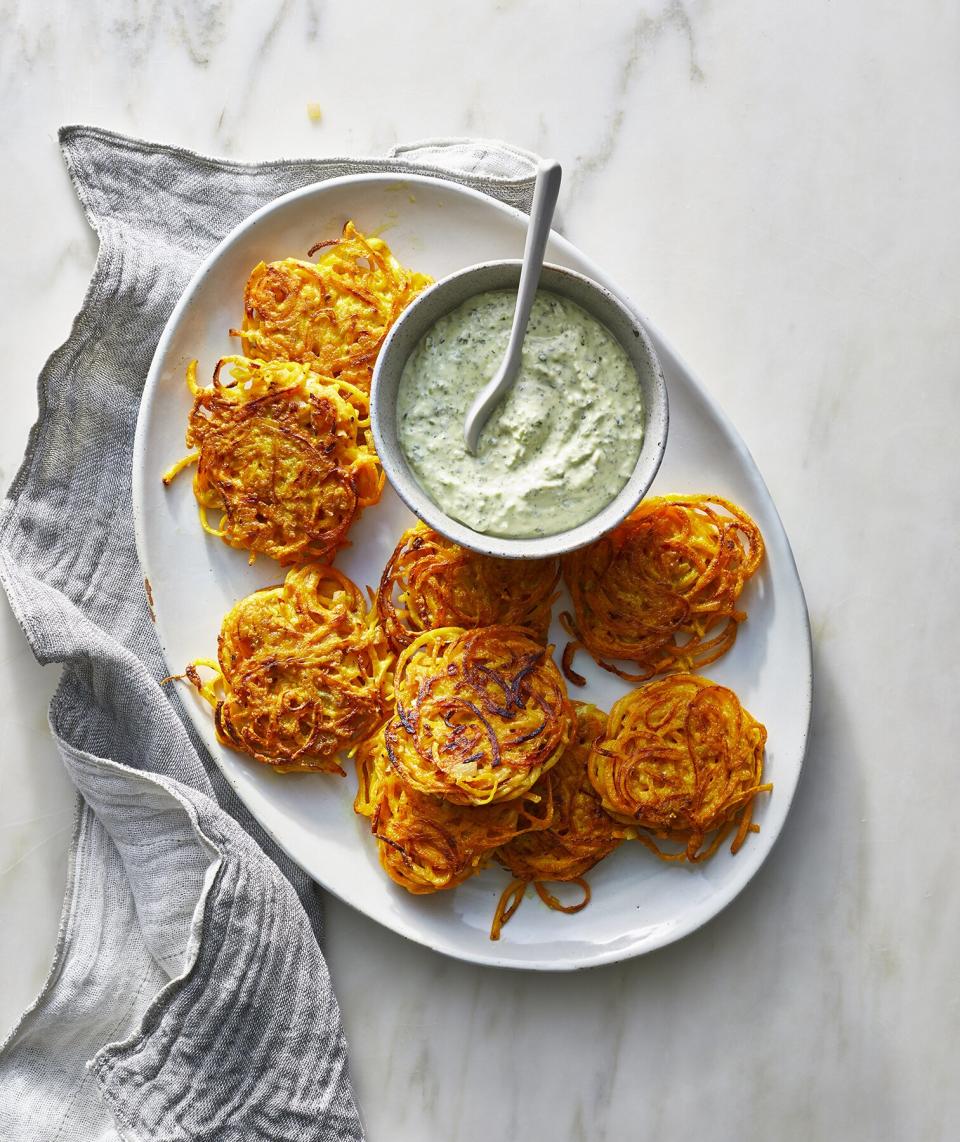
(405, 483)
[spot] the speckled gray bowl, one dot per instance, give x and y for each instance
(439, 300)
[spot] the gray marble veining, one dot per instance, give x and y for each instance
(775, 186)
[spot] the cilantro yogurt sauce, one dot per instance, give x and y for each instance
(561, 444)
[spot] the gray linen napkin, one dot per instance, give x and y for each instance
(188, 997)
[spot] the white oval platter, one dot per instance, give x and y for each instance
(639, 903)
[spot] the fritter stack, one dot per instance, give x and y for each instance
(283, 448)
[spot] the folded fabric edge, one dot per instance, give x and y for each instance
(70, 132)
(64, 924)
(83, 814)
(443, 142)
(84, 759)
(105, 269)
(85, 768)
(124, 1067)
(478, 152)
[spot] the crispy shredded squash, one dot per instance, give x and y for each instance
(681, 760)
(333, 314)
(303, 672)
(283, 455)
(580, 835)
(480, 714)
(427, 844)
(431, 582)
(661, 589)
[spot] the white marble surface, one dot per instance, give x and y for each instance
(776, 186)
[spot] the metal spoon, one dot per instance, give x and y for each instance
(545, 192)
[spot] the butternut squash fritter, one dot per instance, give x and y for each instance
(681, 760)
(661, 589)
(430, 582)
(425, 843)
(303, 672)
(580, 835)
(480, 714)
(332, 314)
(283, 454)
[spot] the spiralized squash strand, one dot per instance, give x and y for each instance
(510, 900)
(512, 897)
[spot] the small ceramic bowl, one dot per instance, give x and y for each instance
(439, 300)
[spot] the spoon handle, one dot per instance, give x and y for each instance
(545, 192)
